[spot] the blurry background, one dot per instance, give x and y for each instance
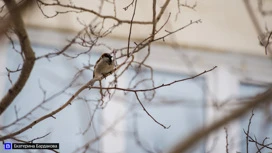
(228, 37)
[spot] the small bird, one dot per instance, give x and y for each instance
(103, 66)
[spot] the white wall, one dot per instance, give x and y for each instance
(226, 25)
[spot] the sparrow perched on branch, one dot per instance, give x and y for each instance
(104, 66)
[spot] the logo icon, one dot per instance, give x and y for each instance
(7, 146)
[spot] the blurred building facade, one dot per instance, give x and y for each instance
(226, 38)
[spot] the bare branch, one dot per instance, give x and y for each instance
(36, 107)
(227, 140)
(192, 7)
(149, 113)
(6, 19)
(258, 143)
(28, 53)
(253, 17)
(131, 4)
(93, 12)
(91, 120)
(50, 55)
(261, 9)
(162, 10)
(87, 85)
(163, 85)
(248, 129)
(154, 20)
(130, 28)
(267, 43)
(199, 134)
(31, 141)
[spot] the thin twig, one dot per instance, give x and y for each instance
(248, 129)
(91, 120)
(130, 4)
(188, 6)
(149, 113)
(268, 41)
(93, 12)
(65, 48)
(162, 10)
(39, 105)
(199, 134)
(86, 86)
(154, 20)
(227, 140)
(157, 87)
(257, 144)
(253, 17)
(31, 141)
(130, 27)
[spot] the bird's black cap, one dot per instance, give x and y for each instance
(107, 55)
